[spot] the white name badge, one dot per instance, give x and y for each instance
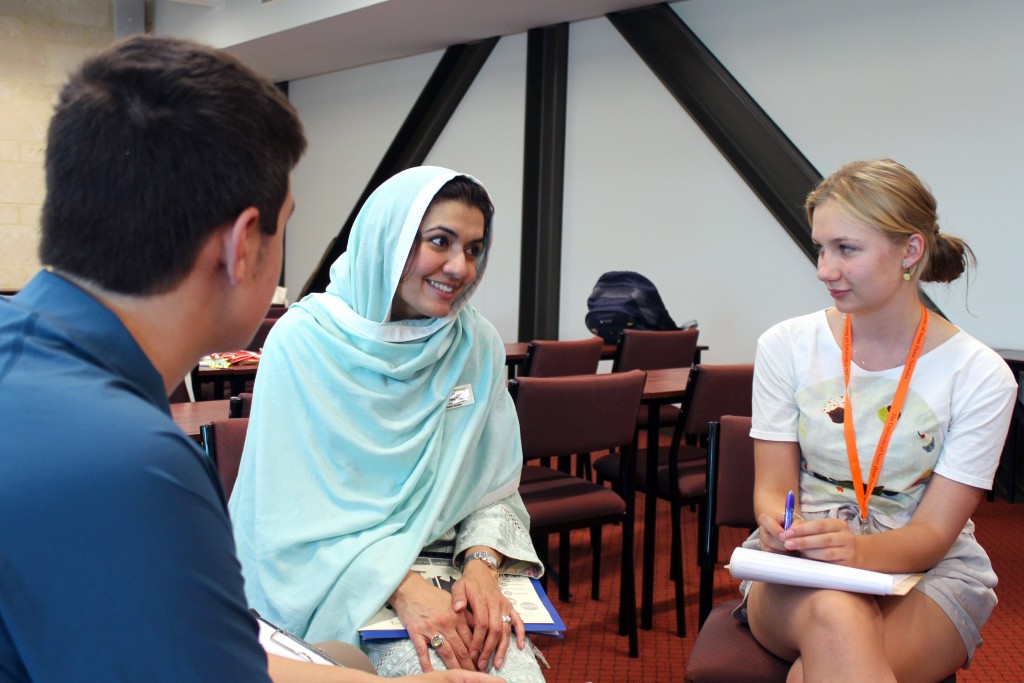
(461, 396)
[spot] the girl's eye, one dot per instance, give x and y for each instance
(439, 241)
(475, 251)
(846, 248)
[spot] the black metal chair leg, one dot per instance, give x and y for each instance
(563, 567)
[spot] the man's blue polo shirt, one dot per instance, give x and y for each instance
(116, 556)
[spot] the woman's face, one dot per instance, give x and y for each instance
(861, 267)
(442, 262)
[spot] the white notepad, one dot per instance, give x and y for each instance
(757, 565)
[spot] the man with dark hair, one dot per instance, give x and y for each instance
(167, 141)
(167, 171)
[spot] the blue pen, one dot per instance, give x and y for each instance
(790, 504)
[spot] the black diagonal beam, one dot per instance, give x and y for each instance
(774, 168)
(429, 115)
(547, 67)
(759, 151)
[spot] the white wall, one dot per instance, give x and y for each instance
(485, 139)
(351, 118)
(932, 83)
(647, 191)
(936, 85)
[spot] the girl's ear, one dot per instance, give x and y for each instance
(913, 250)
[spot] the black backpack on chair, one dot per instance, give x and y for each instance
(624, 300)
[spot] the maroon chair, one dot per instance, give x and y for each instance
(711, 391)
(651, 350)
(655, 350)
(276, 311)
(223, 441)
(261, 335)
(725, 650)
(565, 415)
(546, 358)
(549, 358)
(180, 394)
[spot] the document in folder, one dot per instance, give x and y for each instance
(277, 641)
(757, 565)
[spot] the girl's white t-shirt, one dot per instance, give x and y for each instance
(954, 419)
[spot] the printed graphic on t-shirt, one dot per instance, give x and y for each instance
(910, 458)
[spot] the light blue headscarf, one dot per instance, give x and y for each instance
(353, 462)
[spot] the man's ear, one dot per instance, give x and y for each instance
(239, 249)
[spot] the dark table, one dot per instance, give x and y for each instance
(237, 377)
(189, 416)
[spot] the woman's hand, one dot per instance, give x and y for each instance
(829, 540)
(477, 595)
(425, 611)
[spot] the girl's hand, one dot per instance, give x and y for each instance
(425, 611)
(770, 526)
(477, 596)
(829, 540)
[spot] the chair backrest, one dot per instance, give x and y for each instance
(655, 350)
(713, 391)
(730, 492)
(261, 334)
(224, 441)
(180, 394)
(734, 494)
(241, 405)
(276, 311)
(545, 358)
(566, 415)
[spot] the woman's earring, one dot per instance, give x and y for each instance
(906, 273)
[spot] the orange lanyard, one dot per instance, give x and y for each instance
(863, 493)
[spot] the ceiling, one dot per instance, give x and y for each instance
(291, 39)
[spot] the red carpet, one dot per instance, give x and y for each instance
(593, 651)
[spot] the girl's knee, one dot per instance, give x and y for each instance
(829, 609)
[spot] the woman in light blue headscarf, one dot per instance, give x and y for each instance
(381, 427)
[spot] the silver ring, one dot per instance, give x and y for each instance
(437, 641)
(506, 619)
